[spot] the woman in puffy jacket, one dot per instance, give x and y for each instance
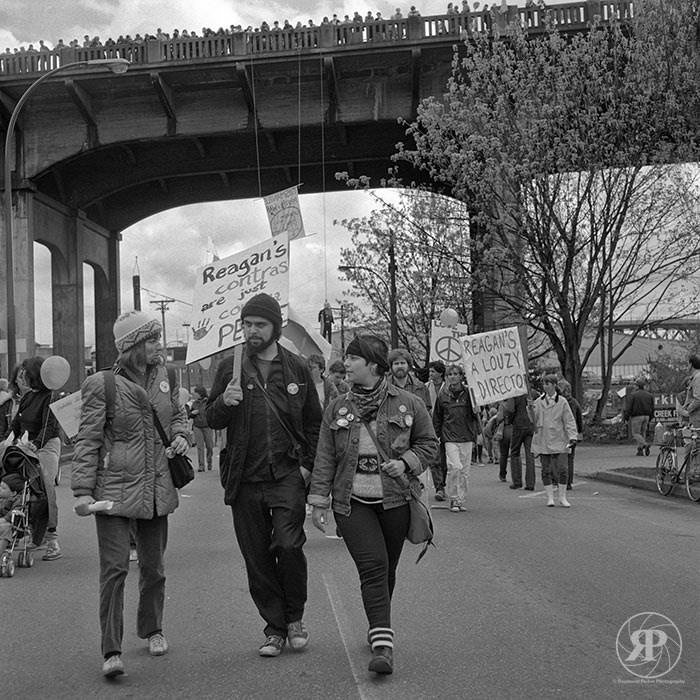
(119, 457)
(369, 482)
(555, 434)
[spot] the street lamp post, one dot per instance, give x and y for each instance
(391, 288)
(116, 65)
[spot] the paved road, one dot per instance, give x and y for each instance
(518, 601)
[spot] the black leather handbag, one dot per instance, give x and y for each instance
(181, 469)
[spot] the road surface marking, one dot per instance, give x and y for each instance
(365, 689)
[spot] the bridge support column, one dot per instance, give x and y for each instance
(107, 305)
(23, 274)
(73, 240)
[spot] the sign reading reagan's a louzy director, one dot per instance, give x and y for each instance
(494, 365)
(224, 286)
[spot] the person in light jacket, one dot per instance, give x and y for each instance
(555, 434)
(124, 461)
(368, 482)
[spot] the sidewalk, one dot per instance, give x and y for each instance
(617, 464)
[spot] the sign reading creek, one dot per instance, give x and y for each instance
(494, 365)
(224, 286)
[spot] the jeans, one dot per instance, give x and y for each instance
(522, 437)
(374, 537)
(113, 545)
(268, 518)
(554, 468)
(438, 469)
(49, 456)
(459, 457)
(638, 429)
(203, 441)
(504, 447)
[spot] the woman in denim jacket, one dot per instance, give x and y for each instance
(368, 481)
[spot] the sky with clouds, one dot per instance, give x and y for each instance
(171, 275)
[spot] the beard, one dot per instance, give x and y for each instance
(256, 345)
(400, 373)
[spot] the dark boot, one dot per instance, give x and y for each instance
(382, 660)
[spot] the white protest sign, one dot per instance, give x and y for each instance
(284, 213)
(446, 342)
(223, 287)
(67, 412)
(494, 365)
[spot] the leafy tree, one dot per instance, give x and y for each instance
(564, 149)
(431, 244)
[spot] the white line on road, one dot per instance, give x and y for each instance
(344, 623)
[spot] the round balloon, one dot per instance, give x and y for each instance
(449, 318)
(184, 396)
(205, 363)
(54, 372)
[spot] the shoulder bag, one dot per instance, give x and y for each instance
(181, 470)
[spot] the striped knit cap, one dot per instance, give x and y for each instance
(133, 327)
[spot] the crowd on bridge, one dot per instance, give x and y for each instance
(460, 20)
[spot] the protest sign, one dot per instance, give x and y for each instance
(446, 342)
(284, 213)
(494, 365)
(223, 287)
(67, 412)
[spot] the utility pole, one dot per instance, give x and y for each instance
(392, 292)
(163, 306)
(136, 285)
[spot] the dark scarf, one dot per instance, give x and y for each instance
(366, 401)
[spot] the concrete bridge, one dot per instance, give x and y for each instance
(203, 119)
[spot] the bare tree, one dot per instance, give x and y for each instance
(430, 243)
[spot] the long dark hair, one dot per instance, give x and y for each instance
(32, 373)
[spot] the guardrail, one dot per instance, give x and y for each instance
(574, 16)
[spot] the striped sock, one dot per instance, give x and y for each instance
(381, 637)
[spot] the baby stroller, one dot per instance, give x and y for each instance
(30, 518)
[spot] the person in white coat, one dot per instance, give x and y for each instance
(555, 434)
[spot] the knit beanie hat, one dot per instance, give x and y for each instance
(266, 307)
(14, 481)
(133, 327)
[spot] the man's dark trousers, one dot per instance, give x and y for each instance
(522, 437)
(268, 517)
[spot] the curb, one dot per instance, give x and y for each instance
(635, 482)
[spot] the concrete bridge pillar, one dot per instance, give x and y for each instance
(73, 240)
(23, 275)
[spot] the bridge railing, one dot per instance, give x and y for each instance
(568, 16)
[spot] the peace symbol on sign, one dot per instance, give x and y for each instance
(448, 349)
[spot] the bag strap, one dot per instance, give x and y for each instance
(110, 393)
(156, 421)
(275, 412)
(402, 478)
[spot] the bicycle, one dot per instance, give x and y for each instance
(668, 471)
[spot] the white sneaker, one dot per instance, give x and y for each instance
(157, 644)
(113, 666)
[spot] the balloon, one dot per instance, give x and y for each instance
(449, 318)
(205, 363)
(184, 396)
(54, 372)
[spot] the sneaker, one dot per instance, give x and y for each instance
(53, 551)
(440, 495)
(461, 507)
(454, 507)
(382, 660)
(157, 644)
(297, 635)
(133, 555)
(113, 666)
(272, 646)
